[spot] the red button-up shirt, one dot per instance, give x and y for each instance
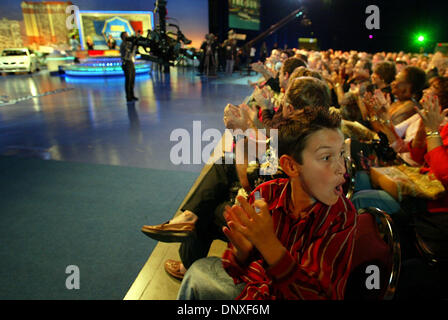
(319, 250)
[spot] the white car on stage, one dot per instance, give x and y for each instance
(18, 60)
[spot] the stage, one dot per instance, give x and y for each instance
(83, 171)
(86, 119)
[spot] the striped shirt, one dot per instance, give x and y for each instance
(319, 250)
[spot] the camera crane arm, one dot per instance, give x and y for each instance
(295, 14)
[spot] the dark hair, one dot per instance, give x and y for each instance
(294, 132)
(291, 63)
(350, 109)
(308, 92)
(417, 78)
(386, 70)
(302, 56)
(367, 65)
(355, 59)
(289, 52)
(122, 35)
(441, 87)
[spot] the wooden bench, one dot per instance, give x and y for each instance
(153, 283)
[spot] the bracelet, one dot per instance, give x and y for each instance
(432, 133)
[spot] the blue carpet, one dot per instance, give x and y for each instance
(54, 214)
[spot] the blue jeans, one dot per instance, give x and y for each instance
(206, 279)
(365, 196)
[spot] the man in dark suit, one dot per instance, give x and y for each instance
(127, 52)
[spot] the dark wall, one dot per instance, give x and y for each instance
(340, 24)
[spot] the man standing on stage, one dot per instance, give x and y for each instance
(127, 52)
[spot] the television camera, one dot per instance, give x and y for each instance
(160, 46)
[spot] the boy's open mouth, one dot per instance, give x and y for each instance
(338, 190)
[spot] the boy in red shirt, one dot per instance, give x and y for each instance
(296, 240)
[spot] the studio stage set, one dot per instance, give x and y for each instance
(82, 171)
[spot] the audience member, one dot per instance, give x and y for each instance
(261, 261)
(381, 91)
(196, 225)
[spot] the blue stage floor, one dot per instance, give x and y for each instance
(88, 120)
(72, 211)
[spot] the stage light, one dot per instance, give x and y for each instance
(370, 36)
(420, 38)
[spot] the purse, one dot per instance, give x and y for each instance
(402, 180)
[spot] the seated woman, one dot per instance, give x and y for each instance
(420, 221)
(400, 135)
(384, 115)
(296, 240)
(407, 88)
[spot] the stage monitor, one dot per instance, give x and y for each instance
(308, 43)
(244, 14)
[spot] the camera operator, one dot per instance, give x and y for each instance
(230, 52)
(127, 52)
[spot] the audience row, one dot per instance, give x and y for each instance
(292, 233)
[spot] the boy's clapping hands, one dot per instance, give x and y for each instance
(247, 226)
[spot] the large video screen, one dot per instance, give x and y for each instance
(97, 26)
(244, 14)
(190, 15)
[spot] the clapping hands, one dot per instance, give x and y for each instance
(263, 97)
(235, 119)
(377, 106)
(258, 67)
(248, 226)
(432, 114)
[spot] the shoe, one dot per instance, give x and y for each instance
(172, 267)
(134, 99)
(166, 232)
